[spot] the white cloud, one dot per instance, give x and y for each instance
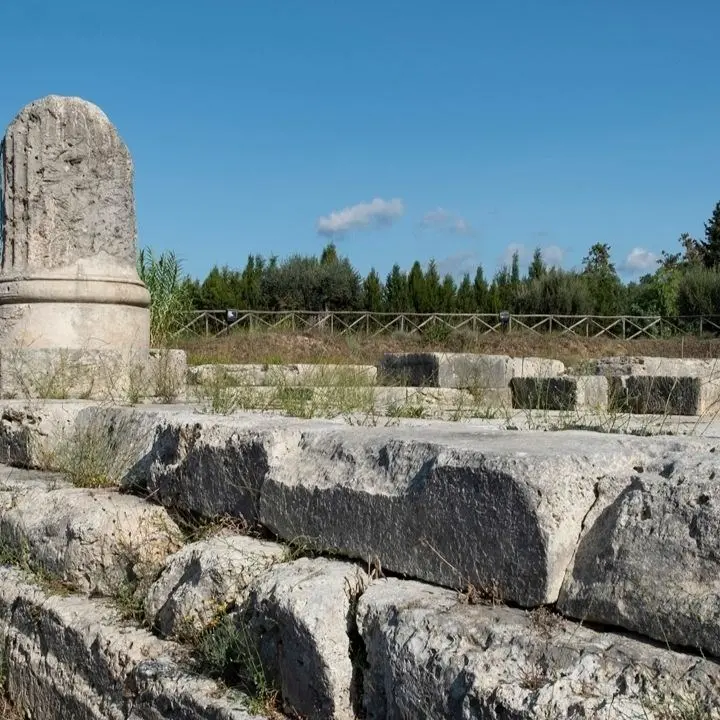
(639, 260)
(374, 214)
(459, 264)
(444, 221)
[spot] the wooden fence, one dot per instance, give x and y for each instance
(215, 323)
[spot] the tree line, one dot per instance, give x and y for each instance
(684, 283)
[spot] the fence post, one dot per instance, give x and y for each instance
(701, 325)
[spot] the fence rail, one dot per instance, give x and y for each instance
(216, 323)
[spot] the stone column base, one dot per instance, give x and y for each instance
(78, 313)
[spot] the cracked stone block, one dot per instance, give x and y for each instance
(649, 556)
(300, 615)
(430, 654)
(204, 577)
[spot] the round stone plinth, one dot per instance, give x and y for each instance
(82, 314)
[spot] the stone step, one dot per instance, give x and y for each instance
(303, 374)
(430, 656)
(565, 393)
(70, 656)
(504, 511)
(94, 541)
(463, 370)
(610, 529)
(320, 401)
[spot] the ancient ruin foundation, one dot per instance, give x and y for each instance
(68, 277)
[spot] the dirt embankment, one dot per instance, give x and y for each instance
(280, 347)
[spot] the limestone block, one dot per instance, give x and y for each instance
(68, 269)
(95, 541)
(439, 402)
(299, 613)
(431, 656)
(30, 433)
(205, 577)
(447, 505)
(308, 375)
(665, 395)
(536, 367)
(622, 366)
(649, 557)
(213, 466)
(462, 370)
(164, 375)
(451, 504)
(560, 393)
(72, 657)
(118, 376)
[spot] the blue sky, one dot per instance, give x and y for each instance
(405, 129)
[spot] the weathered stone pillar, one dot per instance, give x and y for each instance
(68, 275)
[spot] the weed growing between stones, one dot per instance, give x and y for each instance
(55, 378)
(90, 458)
(168, 379)
(678, 706)
(141, 569)
(196, 528)
(405, 410)
(18, 555)
(225, 651)
(93, 456)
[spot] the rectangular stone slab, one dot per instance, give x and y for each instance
(463, 370)
(450, 506)
(304, 374)
(72, 657)
(649, 556)
(665, 395)
(109, 375)
(439, 403)
(431, 656)
(622, 366)
(446, 503)
(560, 393)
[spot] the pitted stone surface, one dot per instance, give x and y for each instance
(649, 556)
(68, 267)
(72, 657)
(204, 578)
(96, 541)
(68, 189)
(450, 506)
(428, 655)
(301, 616)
